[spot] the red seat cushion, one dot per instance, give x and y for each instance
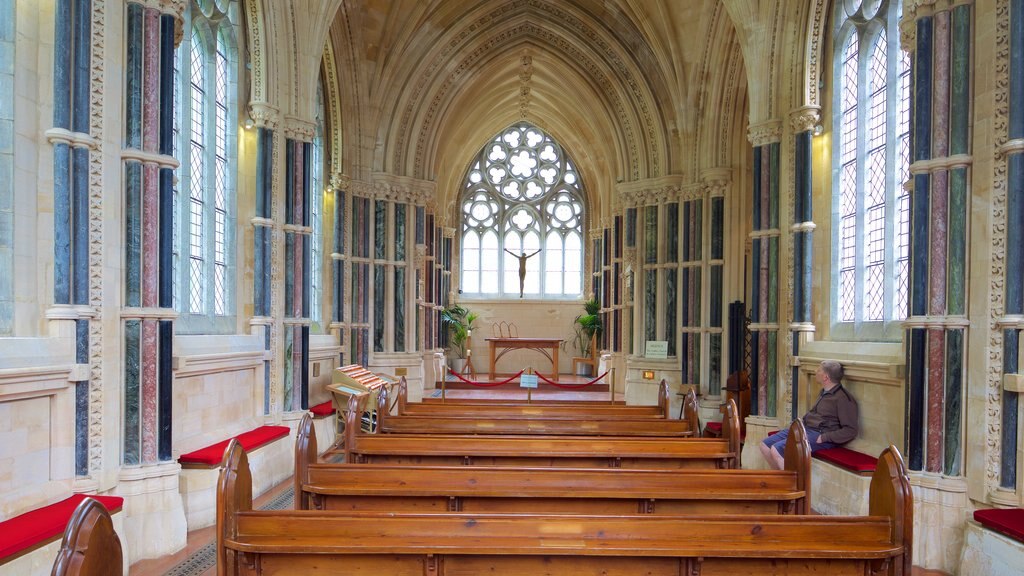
(849, 459)
(42, 525)
(251, 440)
(322, 410)
(714, 427)
(1009, 522)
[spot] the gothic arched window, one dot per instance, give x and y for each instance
(871, 158)
(204, 140)
(316, 200)
(522, 194)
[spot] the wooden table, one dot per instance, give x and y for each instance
(539, 344)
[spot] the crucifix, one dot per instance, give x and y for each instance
(522, 267)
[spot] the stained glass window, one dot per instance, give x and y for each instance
(870, 158)
(522, 197)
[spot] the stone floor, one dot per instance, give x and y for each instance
(197, 558)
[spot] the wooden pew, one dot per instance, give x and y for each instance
(457, 422)
(548, 408)
(534, 451)
(90, 546)
(324, 542)
(378, 487)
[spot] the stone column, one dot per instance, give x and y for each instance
(765, 236)
(297, 232)
(73, 143)
(803, 121)
(936, 326)
(149, 476)
(264, 226)
(339, 183)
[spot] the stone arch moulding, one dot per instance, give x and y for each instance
(332, 105)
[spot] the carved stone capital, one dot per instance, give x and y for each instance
(300, 129)
(340, 181)
(804, 118)
(765, 133)
(716, 181)
(448, 232)
(264, 115)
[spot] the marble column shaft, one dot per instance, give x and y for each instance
(803, 256)
(149, 221)
(936, 343)
(296, 276)
(765, 297)
(263, 234)
(71, 112)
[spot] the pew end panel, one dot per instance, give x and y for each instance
(234, 495)
(90, 546)
(305, 455)
(731, 432)
(798, 459)
(891, 495)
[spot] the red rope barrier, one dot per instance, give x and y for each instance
(483, 385)
(572, 386)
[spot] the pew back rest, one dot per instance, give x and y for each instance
(90, 546)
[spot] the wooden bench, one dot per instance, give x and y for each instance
(362, 487)
(515, 408)
(27, 535)
(533, 451)
(456, 422)
(90, 546)
(199, 469)
(320, 542)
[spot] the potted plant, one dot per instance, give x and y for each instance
(458, 322)
(587, 326)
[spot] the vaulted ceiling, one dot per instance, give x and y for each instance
(424, 84)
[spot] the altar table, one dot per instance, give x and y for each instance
(539, 344)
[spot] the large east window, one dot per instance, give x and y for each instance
(522, 198)
(204, 194)
(871, 152)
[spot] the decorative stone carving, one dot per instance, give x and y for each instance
(997, 270)
(525, 74)
(765, 133)
(332, 105)
(97, 98)
(264, 114)
(805, 118)
(296, 128)
(716, 181)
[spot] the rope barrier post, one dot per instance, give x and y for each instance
(444, 380)
(529, 391)
(611, 385)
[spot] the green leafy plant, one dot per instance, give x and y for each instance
(458, 321)
(587, 325)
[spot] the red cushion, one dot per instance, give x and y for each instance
(771, 433)
(1009, 522)
(251, 440)
(849, 459)
(322, 410)
(42, 525)
(714, 426)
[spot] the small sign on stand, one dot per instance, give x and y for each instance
(656, 349)
(528, 381)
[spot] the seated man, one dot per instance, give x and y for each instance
(831, 422)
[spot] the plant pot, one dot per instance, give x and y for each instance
(457, 364)
(584, 370)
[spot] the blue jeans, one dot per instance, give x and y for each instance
(778, 441)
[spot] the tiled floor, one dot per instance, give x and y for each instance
(195, 554)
